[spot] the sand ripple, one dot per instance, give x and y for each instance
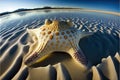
(101, 48)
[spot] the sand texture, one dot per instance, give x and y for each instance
(101, 48)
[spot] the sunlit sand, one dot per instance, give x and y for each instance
(101, 48)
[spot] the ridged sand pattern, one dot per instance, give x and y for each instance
(20, 39)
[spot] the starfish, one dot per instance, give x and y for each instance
(55, 36)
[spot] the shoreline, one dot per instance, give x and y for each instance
(80, 9)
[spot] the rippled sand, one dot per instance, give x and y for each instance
(101, 48)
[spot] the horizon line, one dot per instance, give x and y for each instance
(85, 9)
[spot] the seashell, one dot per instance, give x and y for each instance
(53, 32)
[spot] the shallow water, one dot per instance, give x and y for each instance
(14, 43)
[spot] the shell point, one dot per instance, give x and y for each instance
(47, 21)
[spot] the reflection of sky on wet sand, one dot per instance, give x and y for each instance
(43, 13)
(24, 14)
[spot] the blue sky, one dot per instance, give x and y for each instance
(107, 5)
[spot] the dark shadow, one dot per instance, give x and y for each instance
(53, 58)
(98, 46)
